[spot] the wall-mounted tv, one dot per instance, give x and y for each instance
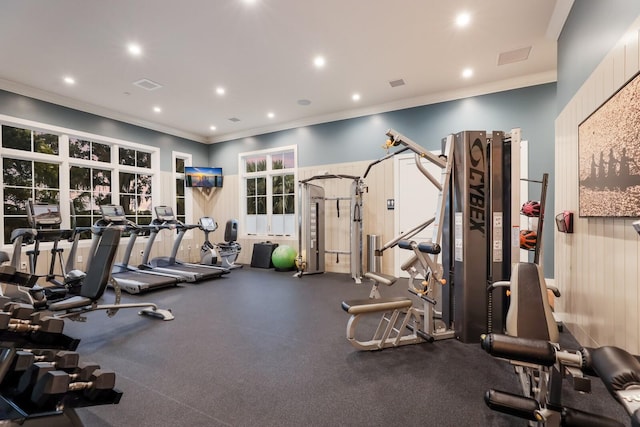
(202, 177)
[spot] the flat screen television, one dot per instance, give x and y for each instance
(202, 176)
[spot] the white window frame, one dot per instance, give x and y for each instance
(243, 175)
(188, 196)
(65, 162)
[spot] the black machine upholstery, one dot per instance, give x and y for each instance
(231, 231)
(98, 275)
(529, 310)
(617, 368)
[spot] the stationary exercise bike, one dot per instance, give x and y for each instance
(222, 254)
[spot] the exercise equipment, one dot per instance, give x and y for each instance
(401, 322)
(284, 257)
(45, 221)
(530, 317)
(616, 368)
(530, 208)
(471, 243)
(220, 254)
(35, 366)
(528, 240)
(166, 220)
(311, 225)
(261, 254)
(98, 276)
(130, 279)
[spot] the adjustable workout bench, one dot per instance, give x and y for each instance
(95, 283)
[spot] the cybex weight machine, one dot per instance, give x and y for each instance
(473, 233)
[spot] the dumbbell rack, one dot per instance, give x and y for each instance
(42, 380)
(537, 251)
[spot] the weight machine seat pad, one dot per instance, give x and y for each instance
(384, 279)
(529, 314)
(617, 368)
(359, 306)
(70, 303)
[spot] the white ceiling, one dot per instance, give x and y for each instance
(262, 54)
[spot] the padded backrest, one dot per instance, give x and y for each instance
(231, 231)
(99, 273)
(529, 314)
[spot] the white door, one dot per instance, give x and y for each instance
(416, 200)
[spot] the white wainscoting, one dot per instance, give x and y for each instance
(596, 267)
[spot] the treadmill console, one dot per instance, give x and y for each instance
(164, 213)
(44, 215)
(112, 213)
(207, 224)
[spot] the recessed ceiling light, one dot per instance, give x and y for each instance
(271, 115)
(220, 90)
(463, 19)
(319, 61)
(355, 97)
(134, 49)
(467, 72)
(212, 127)
(69, 80)
(157, 109)
(304, 102)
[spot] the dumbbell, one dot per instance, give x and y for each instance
(62, 360)
(38, 321)
(34, 322)
(56, 383)
(19, 310)
(20, 362)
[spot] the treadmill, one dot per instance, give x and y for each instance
(131, 279)
(166, 220)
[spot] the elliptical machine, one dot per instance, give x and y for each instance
(227, 252)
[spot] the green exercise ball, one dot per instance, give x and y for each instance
(284, 257)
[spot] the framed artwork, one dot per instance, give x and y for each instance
(609, 156)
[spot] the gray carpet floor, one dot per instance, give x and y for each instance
(262, 348)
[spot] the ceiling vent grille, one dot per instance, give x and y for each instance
(234, 119)
(147, 84)
(396, 83)
(514, 56)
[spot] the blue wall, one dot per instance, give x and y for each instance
(533, 109)
(592, 28)
(26, 108)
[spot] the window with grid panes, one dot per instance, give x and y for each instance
(269, 179)
(30, 170)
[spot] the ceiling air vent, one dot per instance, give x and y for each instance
(396, 83)
(234, 119)
(147, 84)
(514, 56)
